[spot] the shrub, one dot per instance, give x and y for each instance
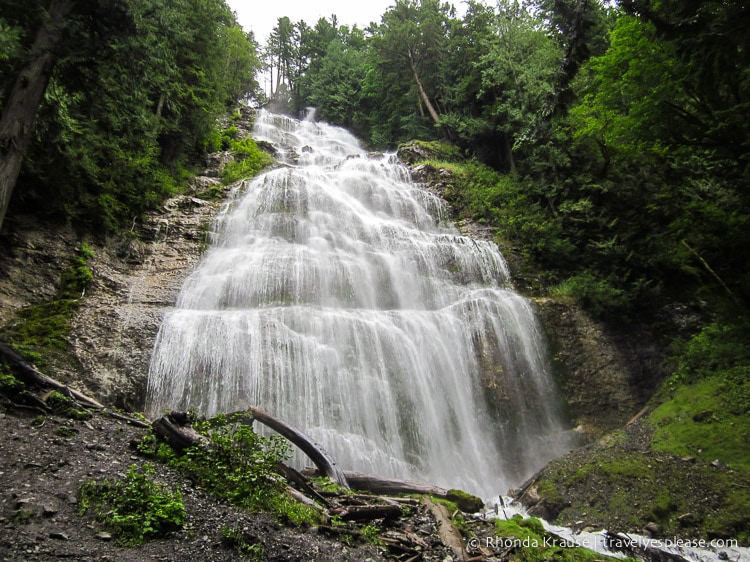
(136, 508)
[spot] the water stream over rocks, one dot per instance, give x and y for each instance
(337, 296)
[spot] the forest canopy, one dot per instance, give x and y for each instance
(615, 135)
(608, 141)
(110, 103)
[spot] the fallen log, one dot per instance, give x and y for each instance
(29, 374)
(383, 486)
(447, 531)
(368, 512)
(316, 453)
(387, 486)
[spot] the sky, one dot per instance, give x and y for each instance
(260, 16)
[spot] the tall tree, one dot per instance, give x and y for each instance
(413, 36)
(19, 115)
(132, 98)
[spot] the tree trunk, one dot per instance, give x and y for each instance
(427, 102)
(19, 114)
(28, 373)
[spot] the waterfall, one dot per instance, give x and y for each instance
(338, 296)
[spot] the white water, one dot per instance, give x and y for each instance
(337, 297)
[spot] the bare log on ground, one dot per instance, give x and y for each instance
(28, 373)
(381, 485)
(368, 512)
(294, 477)
(316, 453)
(447, 530)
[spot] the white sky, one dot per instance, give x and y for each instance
(260, 16)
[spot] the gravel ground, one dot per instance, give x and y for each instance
(45, 459)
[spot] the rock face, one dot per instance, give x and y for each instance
(606, 373)
(135, 281)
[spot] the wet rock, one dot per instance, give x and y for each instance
(687, 520)
(57, 535)
(653, 529)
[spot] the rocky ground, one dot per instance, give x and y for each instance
(44, 460)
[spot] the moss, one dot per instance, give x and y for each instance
(699, 421)
(40, 332)
(465, 501)
(529, 542)
(733, 492)
(64, 406)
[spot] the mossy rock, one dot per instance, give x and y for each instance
(465, 501)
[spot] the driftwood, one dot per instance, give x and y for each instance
(28, 373)
(294, 477)
(631, 547)
(316, 453)
(447, 530)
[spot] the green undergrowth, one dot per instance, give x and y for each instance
(238, 465)
(135, 508)
(40, 332)
(705, 405)
(249, 158)
(686, 465)
(504, 201)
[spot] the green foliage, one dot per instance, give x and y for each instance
(238, 465)
(131, 106)
(596, 295)
(9, 384)
(136, 508)
(66, 407)
(531, 543)
(249, 160)
(371, 534)
(78, 276)
(706, 407)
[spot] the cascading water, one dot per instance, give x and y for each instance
(339, 298)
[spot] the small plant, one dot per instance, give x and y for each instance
(66, 407)
(235, 538)
(136, 508)
(10, 386)
(249, 160)
(371, 534)
(66, 432)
